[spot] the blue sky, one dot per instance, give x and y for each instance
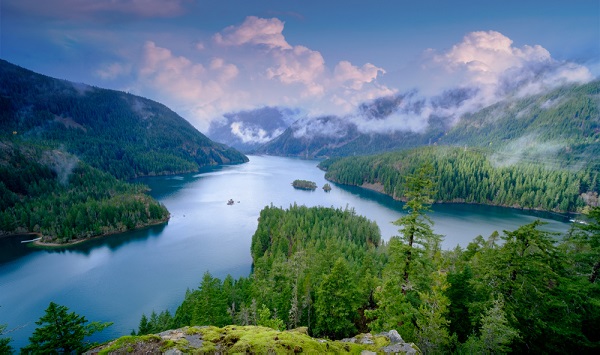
(206, 58)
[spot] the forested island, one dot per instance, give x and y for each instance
(64, 200)
(304, 185)
(472, 175)
(328, 270)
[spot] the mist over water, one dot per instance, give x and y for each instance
(120, 277)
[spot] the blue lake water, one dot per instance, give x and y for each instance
(120, 277)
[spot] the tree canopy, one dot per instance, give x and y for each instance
(61, 331)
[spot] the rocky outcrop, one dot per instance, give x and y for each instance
(396, 344)
(252, 339)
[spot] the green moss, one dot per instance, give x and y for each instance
(244, 339)
(127, 342)
(168, 344)
(381, 341)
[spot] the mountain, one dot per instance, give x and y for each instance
(123, 134)
(561, 125)
(332, 136)
(247, 130)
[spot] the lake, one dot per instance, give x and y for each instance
(120, 277)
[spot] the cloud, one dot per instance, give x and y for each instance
(488, 60)
(253, 65)
(254, 31)
(99, 9)
(482, 69)
(324, 126)
(247, 66)
(113, 70)
(354, 77)
(253, 134)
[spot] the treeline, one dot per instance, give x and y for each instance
(304, 184)
(326, 269)
(52, 193)
(123, 134)
(469, 175)
(563, 124)
(313, 267)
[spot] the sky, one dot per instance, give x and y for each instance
(204, 59)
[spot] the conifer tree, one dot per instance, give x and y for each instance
(61, 331)
(5, 347)
(337, 302)
(496, 334)
(432, 325)
(397, 299)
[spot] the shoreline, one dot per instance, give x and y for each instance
(52, 245)
(378, 187)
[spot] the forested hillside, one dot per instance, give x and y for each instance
(559, 127)
(472, 176)
(116, 132)
(327, 270)
(55, 195)
(302, 257)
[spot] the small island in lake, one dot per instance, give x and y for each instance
(304, 185)
(327, 187)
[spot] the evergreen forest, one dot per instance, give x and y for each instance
(62, 199)
(119, 133)
(327, 269)
(472, 175)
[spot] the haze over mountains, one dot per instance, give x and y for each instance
(130, 136)
(560, 124)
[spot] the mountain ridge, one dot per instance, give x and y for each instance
(126, 135)
(561, 124)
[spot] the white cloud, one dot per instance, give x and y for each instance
(254, 31)
(253, 65)
(252, 134)
(489, 61)
(248, 66)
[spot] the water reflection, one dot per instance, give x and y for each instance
(13, 249)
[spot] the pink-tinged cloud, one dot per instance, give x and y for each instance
(298, 65)
(488, 68)
(254, 31)
(490, 61)
(114, 70)
(248, 66)
(99, 9)
(354, 77)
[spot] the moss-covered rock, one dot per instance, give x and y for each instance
(252, 339)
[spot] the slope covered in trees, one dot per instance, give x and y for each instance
(523, 290)
(116, 132)
(52, 193)
(302, 256)
(559, 127)
(472, 176)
